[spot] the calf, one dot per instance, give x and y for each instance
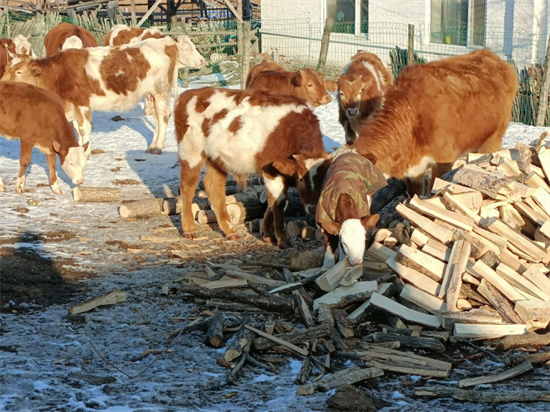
(36, 117)
(264, 66)
(437, 112)
(68, 36)
(239, 132)
(360, 91)
(111, 79)
(304, 84)
(10, 47)
(343, 211)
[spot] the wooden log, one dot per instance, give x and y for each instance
(441, 336)
(305, 372)
(299, 301)
(293, 228)
(535, 358)
(330, 280)
(437, 249)
(479, 245)
(480, 180)
(521, 282)
(241, 274)
(386, 289)
(308, 233)
(542, 198)
(425, 300)
(236, 346)
(468, 292)
(441, 213)
(270, 304)
(308, 258)
(537, 278)
(433, 363)
(483, 271)
(483, 395)
(544, 159)
(534, 313)
(84, 194)
(528, 340)
(421, 262)
(429, 227)
(111, 298)
(419, 280)
(214, 331)
(394, 188)
(419, 238)
(299, 336)
(453, 273)
(455, 205)
(479, 331)
(522, 368)
(380, 253)
(342, 325)
(352, 275)
(255, 226)
(141, 208)
(324, 315)
(498, 301)
(345, 295)
(172, 206)
(474, 316)
(225, 284)
(349, 379)
(312, 387)
(395, 308)
(411, 342)
(417, 370)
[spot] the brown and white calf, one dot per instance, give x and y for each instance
(11, 47)
(36, 117)
(361, 89)
(343, 211)
(240, 132)
(437, 112)
(68, 36)
(264, 66)
(111, 79)
(122, 34)
(304, 84)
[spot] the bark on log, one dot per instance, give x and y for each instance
(349, 378)
(305, 372)
(535, 358)
(395, 188)
(236, 346)
(293, 228)
(141, 208)
(483, 395)
(172, 206)
(529, 340)
(242, 212)
(96, 194)
(389, 213)
(214, 332)
(270, 304)
(411, 342)
(484, 182)
(312, 387)
(294, 337)
(499, 302)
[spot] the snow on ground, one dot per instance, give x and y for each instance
(48, 360)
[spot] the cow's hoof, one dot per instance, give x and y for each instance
(284, 245)
(57, 191)
(267, 239)
(189, 235)
(20, 189)
(154, 150)
(147, 113)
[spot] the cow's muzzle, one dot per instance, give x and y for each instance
(352, 112)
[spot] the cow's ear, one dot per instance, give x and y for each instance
(332, 228)
(371, 158)
(366, 83)
(286, 167)
(297, 79)
(370, 221)
(56, 146)
(35, 70)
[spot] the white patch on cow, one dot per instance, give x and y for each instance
(115, 31)
(20, 184)
(420, 168)
(330, 258)
(22, 45)
(72, 42)
(56, 188)
(44, 149)
(375, 74)
(188, 56)
(352, 240)
(74, 164)
(276, 187)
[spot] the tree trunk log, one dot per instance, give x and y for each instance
(395, 188)
(96, 194)
(410, 341)
(235, 348)
(214, 333)
(141, 208)
(528, 340)
(294, 337)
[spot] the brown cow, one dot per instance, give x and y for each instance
(264, 66)
(438, 111)
(11, 47)
(304, 84)
(239, 132)
(36, 117)
(111, 79)
(68, 36)
(360, 91)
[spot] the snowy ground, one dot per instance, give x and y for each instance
(48, 360)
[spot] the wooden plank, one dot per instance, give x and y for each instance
(416, 278)
(437, 249)
(278, 341)
(379, 252)
(413, 316)
(429, 227)
(517, 239)
(521, 282)
(539, 279)
(146, 15)
(479, 331)
(425, 300)
(542, 197)
(499, 302)
(338, 294)
(443, 214)
(455, 269)
(484, 271)
(509, 374)
(111, 298)
(419, 371)
(421, 262)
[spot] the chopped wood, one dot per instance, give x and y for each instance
(413, 316)
(161, 239)
(468, 292)
(437, 249)
(386, 289)
(416, 278)
(232, 376)
(412, 342)
(267, 303)
(289, 287)
(84, 194)
(345, 295)
(456, 206)
(441, 213)
(299, 301)
(236, 346)
(482, 270)
(424, 300)
(433, 363)
(111, 298)
(419, 371)
(529, 340)
(498, 301)
(172, 206)
(466, 277)
(479, 245)
(474, 316)
(324, 315)
(483, 395)
(429, 227)
(241, 274)
(542, 198)
(311, 388)
(206, 216)
(479, 331)
(442, 336)
(452, 280)
(544, 159)
(225, 284)
(214, 332)
(332, 277)
(293, 228)
(350, 378)
(534, 313)
(419, 238)
(523, 367)
(535, 358)
(521, 282)
(421, 262)
(299, 336)
(343, 325)
(481, 180)
(352, 275)
(141, 208)
(537, 277)
(272, 265)
(380, 252)
(305, 372)
(382, 234)
(308, 233)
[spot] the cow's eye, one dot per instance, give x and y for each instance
(19, 72)
(310, 85)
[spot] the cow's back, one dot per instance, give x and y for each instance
(260, 68)
(56, 37)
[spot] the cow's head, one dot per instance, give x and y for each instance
(309, 87)
(350, 92)
(23, 69)
(188, 54)
(73, 160)
(351, 228)
(307, 175)
(23, 46)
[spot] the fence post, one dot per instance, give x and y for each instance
(544, 88)
(325, 41)
(410, 45)
(133, 12)
(246, 53)
(240, 40)
(185, 31)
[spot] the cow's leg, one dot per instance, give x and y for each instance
(24, 162)
(2, 187)
(331, 244)
(438, 170)
(162, 116)
(83, 118)
(276, 200)
(149, 109)
(415, 185)
(54, 184)
(268, 235)
(214, 183)
(189, 177)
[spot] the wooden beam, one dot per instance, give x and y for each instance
(462, 330)
(453, 274)
(146, 15)
(523, 367)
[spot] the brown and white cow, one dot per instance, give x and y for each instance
(304, 84)
(11, 47)
(111, 79)
(361, 89)
(122, 34)
(68, 36)
(239, 132)
(36, 117)
(264, 66)
(437, 112)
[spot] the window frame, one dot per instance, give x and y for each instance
(469, 27)
(357, 21)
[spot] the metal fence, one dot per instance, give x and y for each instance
(297, 44)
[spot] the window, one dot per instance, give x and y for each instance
(458, 22)
(350, 16)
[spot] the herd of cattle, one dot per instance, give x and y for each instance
(423, 120)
